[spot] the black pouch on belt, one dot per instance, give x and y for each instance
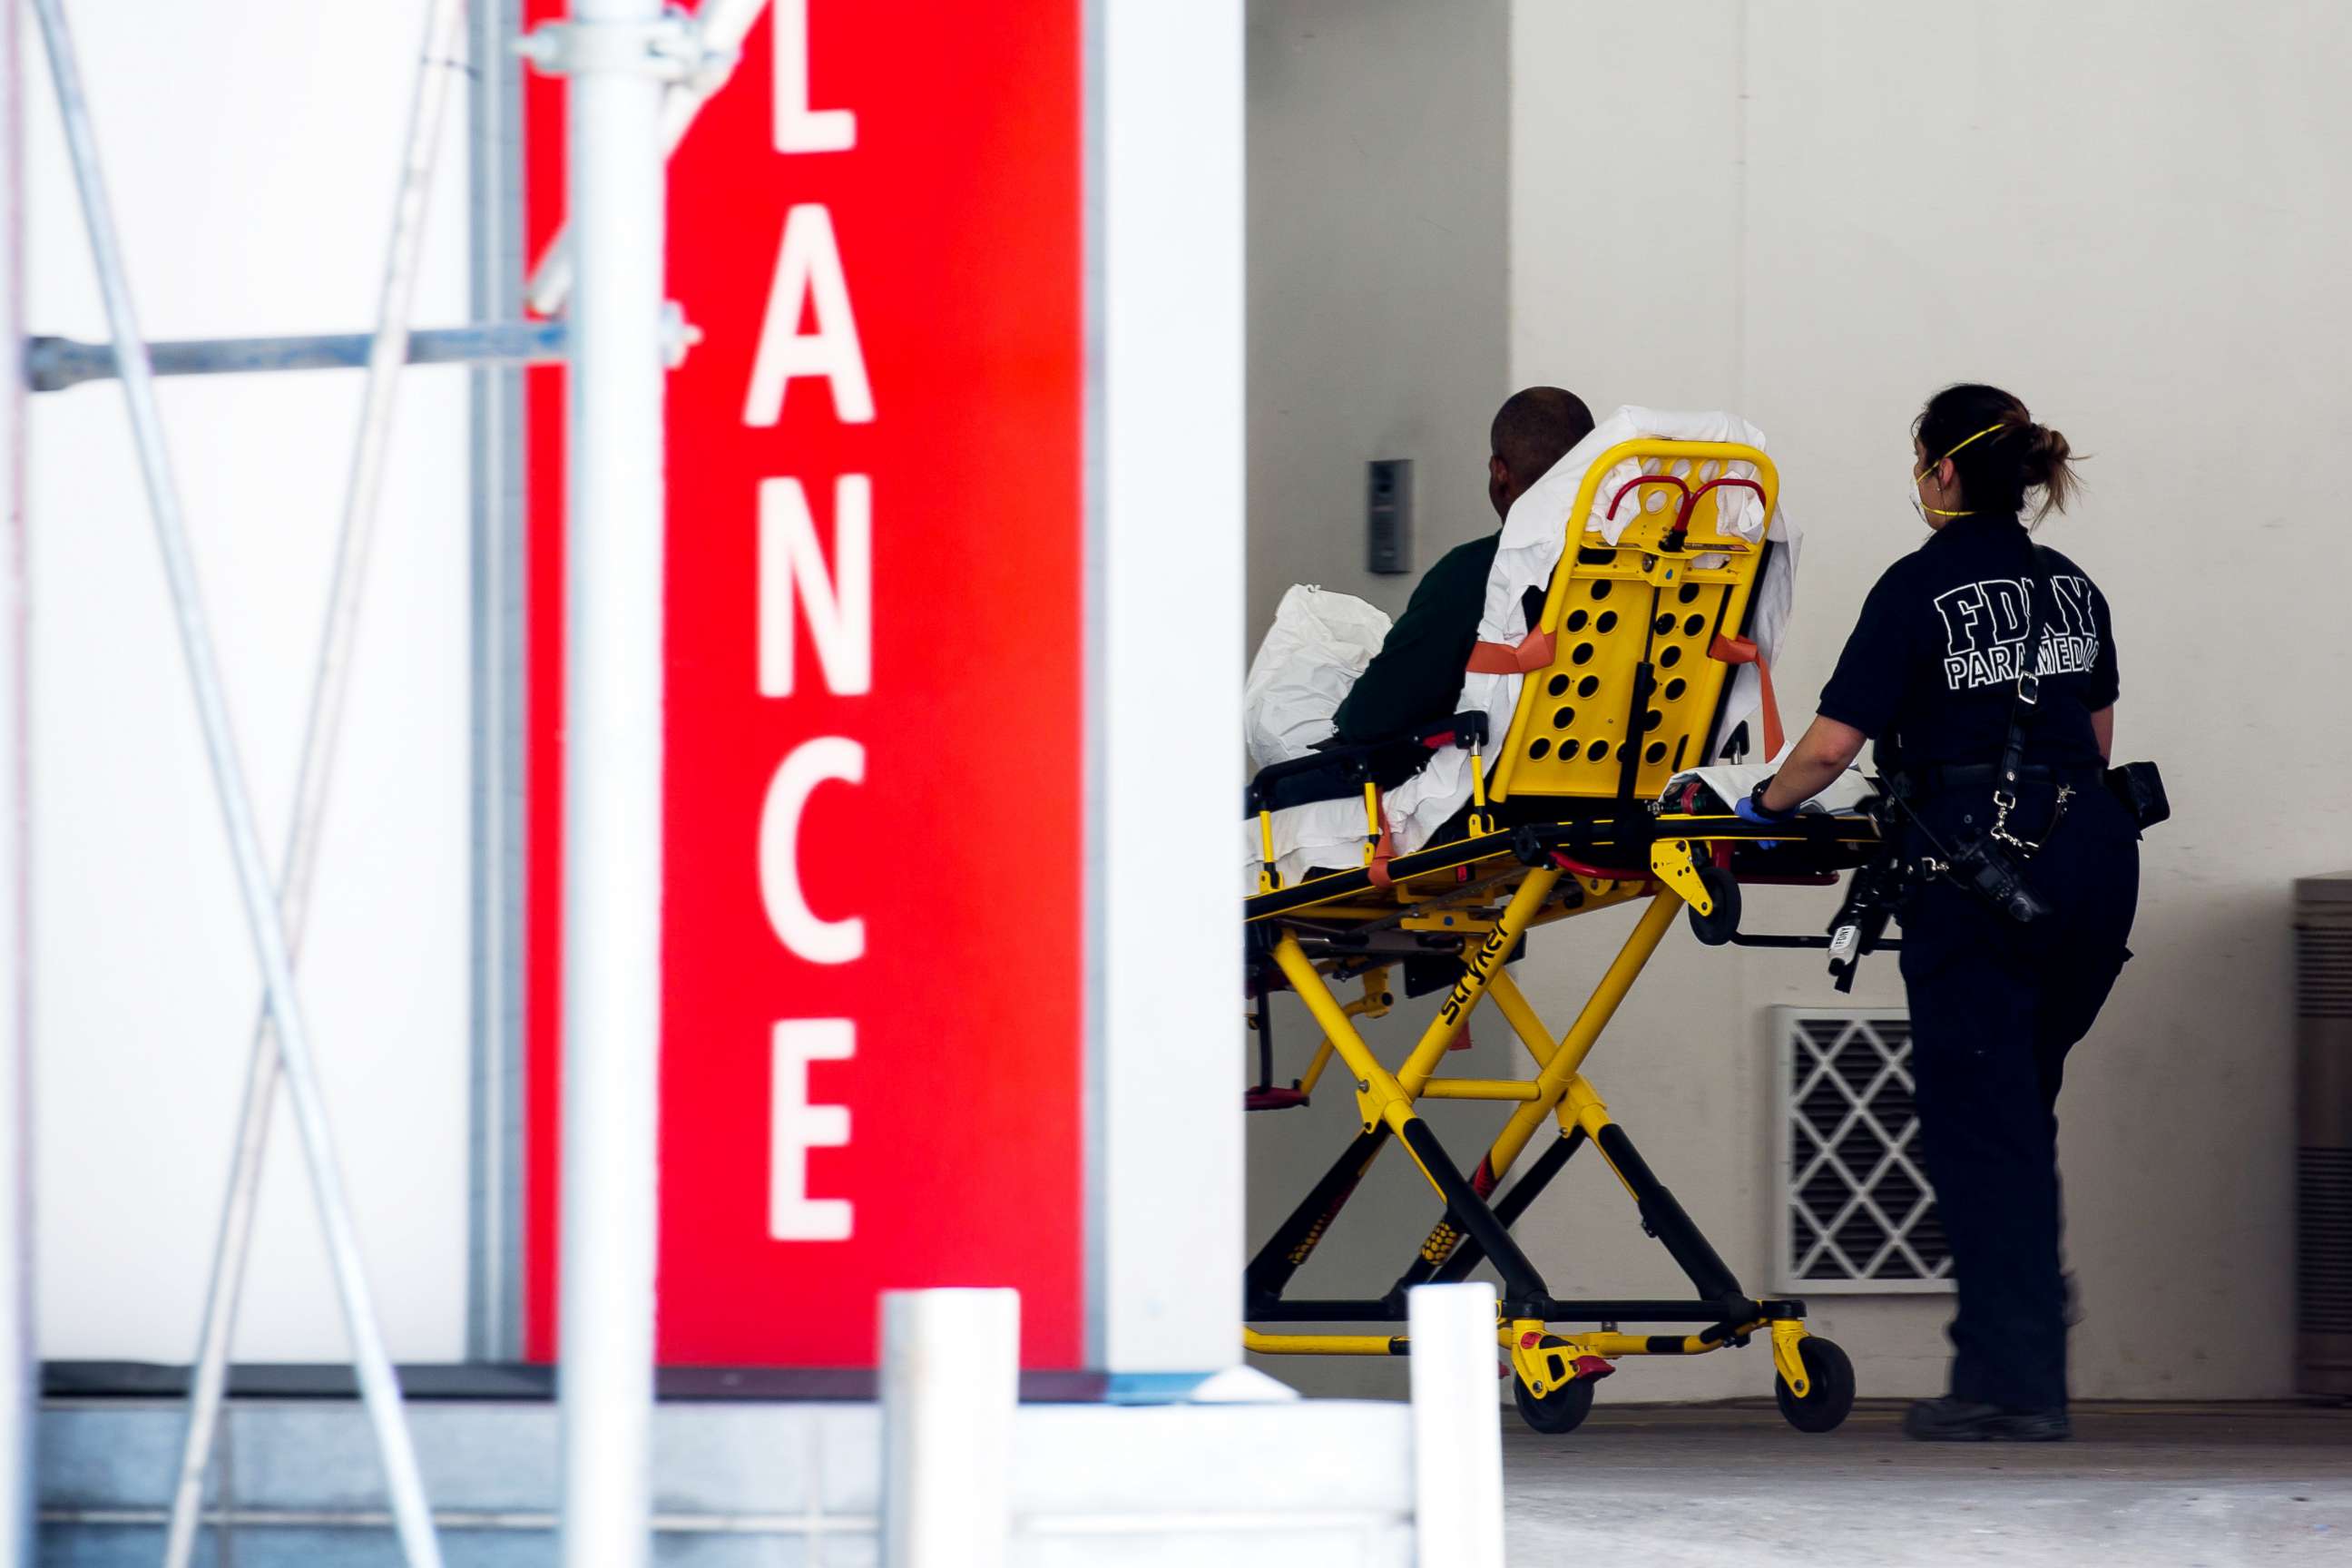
(1993, 874)
(2141, 789)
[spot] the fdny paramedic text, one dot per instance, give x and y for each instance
(1984, 630)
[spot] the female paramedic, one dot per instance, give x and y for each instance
(2025, 871)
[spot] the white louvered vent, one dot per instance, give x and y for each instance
(1854, 1211)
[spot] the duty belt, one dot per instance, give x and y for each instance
(1926, 782)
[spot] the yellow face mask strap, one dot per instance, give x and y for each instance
(1939, 511)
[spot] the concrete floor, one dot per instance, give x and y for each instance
(2141, 1485)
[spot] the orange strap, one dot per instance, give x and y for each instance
(1743, 650)
(1532, 652)
(1383, 851)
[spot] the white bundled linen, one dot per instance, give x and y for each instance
(1331, 834)
(1319, 645)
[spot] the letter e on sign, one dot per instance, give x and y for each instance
(795, 1127)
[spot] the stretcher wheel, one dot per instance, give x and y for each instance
(1561, 1410)
(1723, 891)
(1831, 1399)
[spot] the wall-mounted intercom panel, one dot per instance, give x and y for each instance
(1388, 516)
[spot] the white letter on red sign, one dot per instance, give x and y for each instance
(840, 604)
(797, 926)
(795, 1127)
(808, 267)
(799, 128)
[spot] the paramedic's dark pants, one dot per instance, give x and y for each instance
(1995, 1007)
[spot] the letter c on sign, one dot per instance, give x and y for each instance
(797, 925)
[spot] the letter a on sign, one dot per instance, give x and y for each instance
(808, 269)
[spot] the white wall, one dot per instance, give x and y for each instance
(1816, 212)
(251, 149)
(2133, 216)
(1377, 314)
(1377, 153)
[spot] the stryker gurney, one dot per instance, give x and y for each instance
(1623, 687)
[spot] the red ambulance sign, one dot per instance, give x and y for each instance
(871, 1051)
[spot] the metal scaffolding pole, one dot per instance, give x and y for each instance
(501, 620)
(52, 364)
(379, 1386)
(19, 1372)
(618, 54)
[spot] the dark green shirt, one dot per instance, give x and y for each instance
(1416, 678)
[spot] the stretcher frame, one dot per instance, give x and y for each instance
(1543, 844)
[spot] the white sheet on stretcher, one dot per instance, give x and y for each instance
(1330, 834)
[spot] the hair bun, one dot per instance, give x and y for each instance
(2049, 463)
(2046, 453)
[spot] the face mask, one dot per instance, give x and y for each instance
(1922, 508)
(1929, 515)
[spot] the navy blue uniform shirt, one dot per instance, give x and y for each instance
(1930, 672)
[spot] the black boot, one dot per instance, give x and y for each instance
(1949, 1420)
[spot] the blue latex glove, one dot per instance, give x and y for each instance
(1748, 809)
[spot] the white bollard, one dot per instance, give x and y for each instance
(1457, 1430)
(951, 1380)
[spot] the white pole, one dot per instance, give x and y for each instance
(1457, 1430)
(951, 1382)
(610, 999)
(379, 1387)
(722, 24)
(1165, 377)
(18, 1372)
(329, 686)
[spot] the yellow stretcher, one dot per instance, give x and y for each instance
(1568, 823)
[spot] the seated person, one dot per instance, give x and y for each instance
(1416, 678)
